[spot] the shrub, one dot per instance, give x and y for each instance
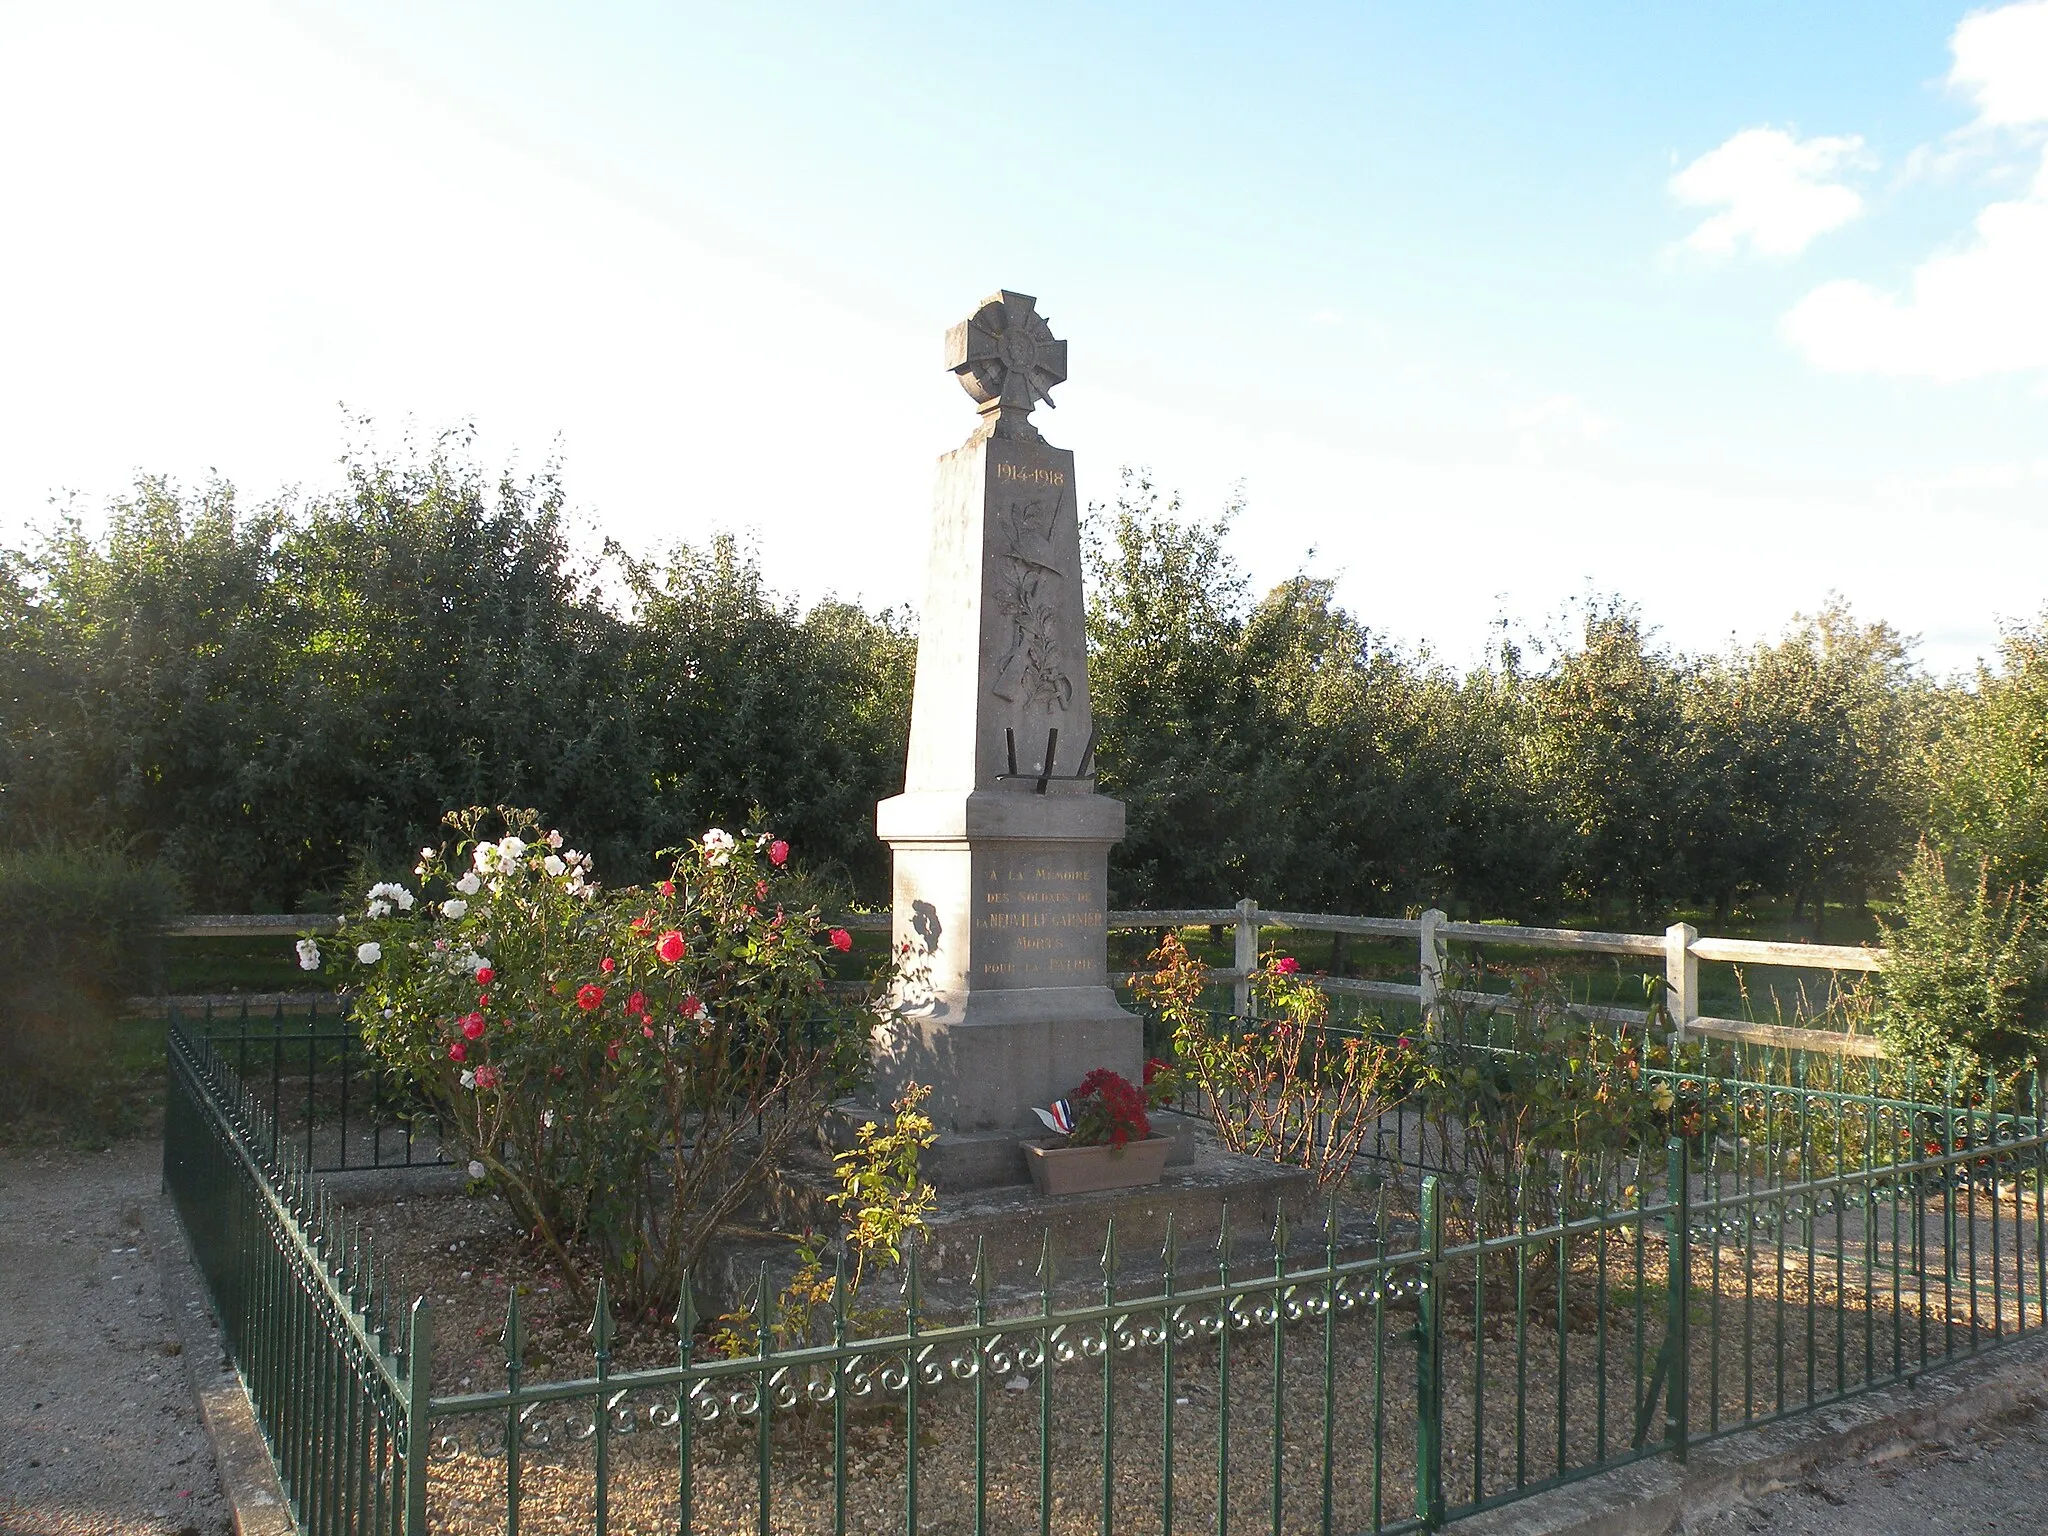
(80, 930)
(882, 1200)
(627, 1066)
(1963, 991)
(1540, 1103)
(1286, 1087)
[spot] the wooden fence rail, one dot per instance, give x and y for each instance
(1680, 947)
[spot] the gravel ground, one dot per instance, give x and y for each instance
(99, 1431)
(1993, 1479)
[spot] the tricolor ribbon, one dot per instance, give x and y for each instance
(1060, 1118)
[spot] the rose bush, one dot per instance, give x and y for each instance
(1285, 1085)
(625, 1067)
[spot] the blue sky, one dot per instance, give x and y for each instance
(1720, 309)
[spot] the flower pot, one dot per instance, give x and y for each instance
(1064, 1170)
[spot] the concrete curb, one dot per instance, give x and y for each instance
(248, 1478)
(1661, 1498)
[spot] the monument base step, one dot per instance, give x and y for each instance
(1012, 1225)
(965, 1163)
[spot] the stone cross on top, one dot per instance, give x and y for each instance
(1007, 360)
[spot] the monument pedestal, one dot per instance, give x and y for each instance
(1004, 1001)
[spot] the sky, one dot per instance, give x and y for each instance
(1483, 310)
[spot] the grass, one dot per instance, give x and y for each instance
(123, 1096)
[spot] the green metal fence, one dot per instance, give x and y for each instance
(1823, 1242)
(295, 1290)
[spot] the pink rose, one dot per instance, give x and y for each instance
(473, 1026)
(1287, 965)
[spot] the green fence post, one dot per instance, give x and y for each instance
(1429, 1377)
(1677, 1395)
(419, 1382)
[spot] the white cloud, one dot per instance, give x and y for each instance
(1977, 310)
(1777, 192)
(2001, 60)
(1554, 420)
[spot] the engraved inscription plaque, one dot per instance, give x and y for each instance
(1038, 922)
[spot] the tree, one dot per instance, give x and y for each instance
(1986, 763)
(745, 704)
(1606, 720)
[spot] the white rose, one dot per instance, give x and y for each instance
(309, 955)
(469, 885)
(511, 847)
(547, 1119)
(469, 1081)
(405, 898)
(486, 857)
(553, 839)
(454, 906)
(477, 963)
(476, 1169)
(553, 865)
(717, 846)
(380, 908)
(370, 953)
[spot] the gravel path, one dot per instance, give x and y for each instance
(1995, 1478)
(99, 1430)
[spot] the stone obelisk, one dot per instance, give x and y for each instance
(1001, 843)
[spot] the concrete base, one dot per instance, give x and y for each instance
(1013, 1223)
(972, 1162)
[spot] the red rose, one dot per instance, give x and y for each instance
(473, 1026)
(670, 946)
(485, 976)
(692, 1007)
(1287, 965)
(841, 940)
(778, 853)
(668, 887)
(457, 1051)
(611, 1052)
(647, 1030)
(607, 965)
(589, 996)
(637, 1003)
(483, 1000)
(488, 1077)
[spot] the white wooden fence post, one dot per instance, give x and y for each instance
(1246, 958)
(1430, 970)
(1681, 977)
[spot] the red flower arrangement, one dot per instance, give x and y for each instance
(1108, 1107)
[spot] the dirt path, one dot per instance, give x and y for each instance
(1995, 1478)
(99, 1430)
